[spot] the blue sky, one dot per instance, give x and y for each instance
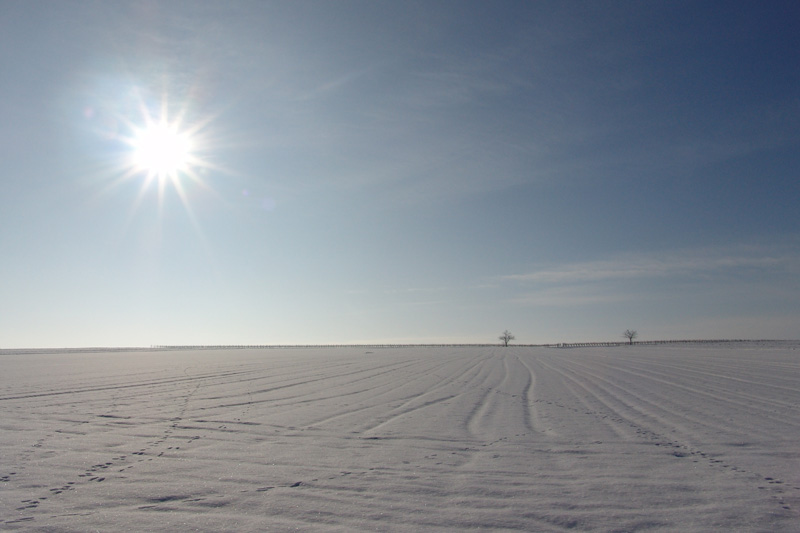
(400, 172)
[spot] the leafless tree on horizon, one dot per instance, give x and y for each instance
(630, 334)
(506, 337)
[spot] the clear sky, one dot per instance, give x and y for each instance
(386, 171)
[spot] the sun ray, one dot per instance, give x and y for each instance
(162, 150)
(162, 146)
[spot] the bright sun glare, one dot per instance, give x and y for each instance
(164, 149)
(161, 150)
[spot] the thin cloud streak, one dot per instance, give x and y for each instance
(697, 263)
(574, 296)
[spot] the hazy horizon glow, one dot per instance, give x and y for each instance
(192, 173)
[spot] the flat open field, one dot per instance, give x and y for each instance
(687, 437)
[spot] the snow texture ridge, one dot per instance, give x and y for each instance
(611, 438)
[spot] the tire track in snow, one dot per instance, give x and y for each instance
(301, 381)
(637, 410)
(534, 419)
(660, 426)
(407, 401)
(508, 407)
(444, 388)
(667, 400)
(114, 387)
(593, 405)
(423, 470)
(767, 411)
(480, 423)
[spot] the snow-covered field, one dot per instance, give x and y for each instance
(686, 437)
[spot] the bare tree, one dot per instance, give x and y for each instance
(630, 334)
(506, 337)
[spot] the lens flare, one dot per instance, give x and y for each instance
(161, 150)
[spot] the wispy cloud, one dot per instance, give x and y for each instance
(330, 86)
(687, 263)
(571, 296)
(439, 289)
(725, 280)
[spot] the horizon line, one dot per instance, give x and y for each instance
(166, 347)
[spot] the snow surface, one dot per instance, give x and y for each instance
(689, 437)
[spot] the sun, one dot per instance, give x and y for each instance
(167, 149)
(161, 150)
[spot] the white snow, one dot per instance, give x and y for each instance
(686, 437)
